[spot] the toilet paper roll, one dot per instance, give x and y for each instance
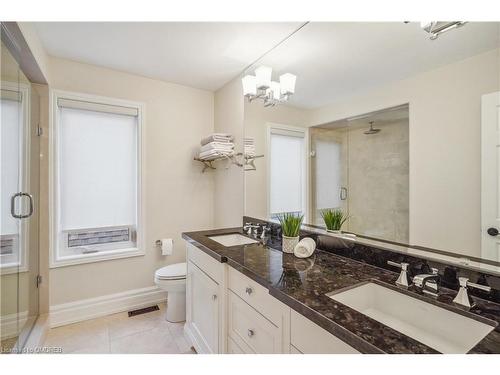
(167, 245)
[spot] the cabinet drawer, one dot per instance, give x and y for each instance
(309, 338)
(256, 296)
(205, 262)
(247, 326)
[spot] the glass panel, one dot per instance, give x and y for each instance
(10, 134)
(20, 173)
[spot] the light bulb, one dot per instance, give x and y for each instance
(275, 88)
(249, 85)
(263, 76)
(287, 83)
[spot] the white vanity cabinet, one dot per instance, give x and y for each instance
(307, 337)
(204, 302)
(256, 322)
(227, 312)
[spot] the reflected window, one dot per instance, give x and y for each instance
(287, 150)
(14, 158)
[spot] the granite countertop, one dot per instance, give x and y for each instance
(303, 284)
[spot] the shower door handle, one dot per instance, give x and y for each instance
(13, 205)
(343, 193)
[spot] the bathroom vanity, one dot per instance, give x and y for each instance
(253, 298)
(228, 312)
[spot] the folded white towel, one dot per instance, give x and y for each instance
(217, 137)
(248, 141)
(214, 154)
(217, 146)
(305, 248)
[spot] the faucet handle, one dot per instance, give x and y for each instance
(402, 265)
(404, 278)
(465, 283)
(463, 298)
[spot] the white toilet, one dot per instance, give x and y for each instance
(172, 279)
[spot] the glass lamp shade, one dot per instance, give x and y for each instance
(263, 77)
(287, 83)
(249, 85)
(275, 89)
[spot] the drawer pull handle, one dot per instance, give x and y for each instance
(248, 290)
(250, 332)
(214, 297)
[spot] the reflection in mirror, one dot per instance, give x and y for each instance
(361, 165)
(394, 136)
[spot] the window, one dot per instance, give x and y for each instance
(287, 170)
(14, 138)
(97, 175)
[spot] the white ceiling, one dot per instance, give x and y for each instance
(331, 60)
(198, 54)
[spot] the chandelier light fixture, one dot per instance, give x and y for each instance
(261, 86)
(436, 28)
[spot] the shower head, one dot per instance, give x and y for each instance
(372, 130)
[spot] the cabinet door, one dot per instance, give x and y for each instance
(203, 314)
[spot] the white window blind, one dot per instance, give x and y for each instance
(11, 135)
(287, 174)
(97, 179)
(328, 170)
(98, 169)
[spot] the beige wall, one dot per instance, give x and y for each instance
(445, 127)
(177, 196)
(228, 195)
(256, 119)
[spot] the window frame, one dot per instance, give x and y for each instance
(21, 263)
(54, 198)
(270, 126)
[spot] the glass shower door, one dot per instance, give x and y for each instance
(19, 184)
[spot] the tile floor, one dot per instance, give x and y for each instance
(117, 333)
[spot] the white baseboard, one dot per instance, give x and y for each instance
(91, 308)
(12, 324)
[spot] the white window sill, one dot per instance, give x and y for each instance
(9, 268)
(96, 257)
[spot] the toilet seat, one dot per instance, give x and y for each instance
(175, 271)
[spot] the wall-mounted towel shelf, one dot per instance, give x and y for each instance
(208, 164)
(236, 159)
(250, 162)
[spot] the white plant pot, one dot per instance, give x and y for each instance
(335, 231)
(289, 243)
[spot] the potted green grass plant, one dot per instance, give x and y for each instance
(334, 219)
(290, 229)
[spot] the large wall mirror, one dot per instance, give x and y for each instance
(394, 124)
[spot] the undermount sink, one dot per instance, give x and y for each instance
(441, 329)
(232, 239)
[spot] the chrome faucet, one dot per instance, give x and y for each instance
(265, 230)
(404, 278)
(250, 228)
(463, 298)
(428, 283)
